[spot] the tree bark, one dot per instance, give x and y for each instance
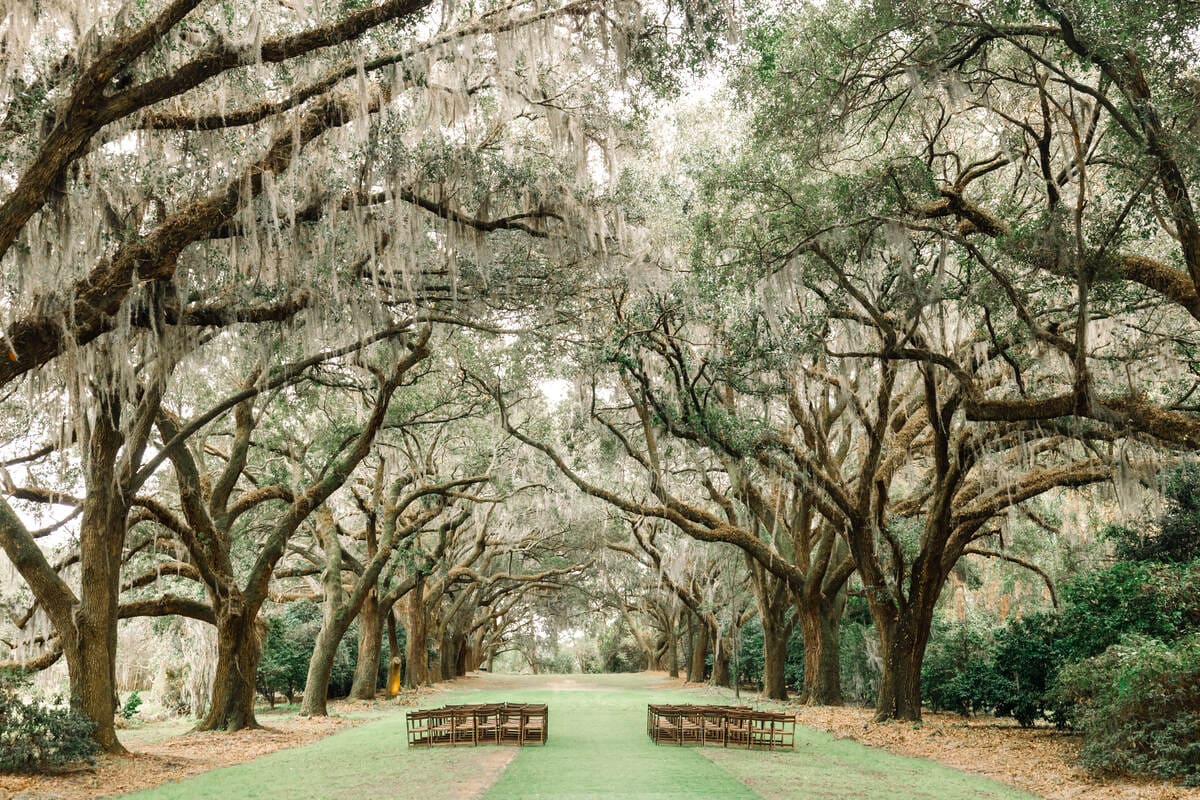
(672, 650)
(238, 649)
(101, 540)
(416, 673)
(721, 674)
(774, 663)
(447, 655)
(370, 644)
(699, 653)
(904, 651)
(775, 610)
(320, 668)
(820, 626)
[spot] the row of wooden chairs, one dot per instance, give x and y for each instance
(727, 726)
(488, 723)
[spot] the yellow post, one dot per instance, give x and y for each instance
(393, 684)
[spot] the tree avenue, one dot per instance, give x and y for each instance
(362, 345)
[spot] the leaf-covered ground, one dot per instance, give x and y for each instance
(1041, 760)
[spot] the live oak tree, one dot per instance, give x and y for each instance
(924, 480)
(197, 165)
(1048, 147)
(677, 488)
(704, 578)
(114, 440)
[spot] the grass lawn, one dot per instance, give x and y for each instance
(597, 748)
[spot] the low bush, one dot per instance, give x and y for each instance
(36, 736)
(1025, 658)
(132, 704)
(957, 673)
(1138, 707)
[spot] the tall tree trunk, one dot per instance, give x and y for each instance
(101, 540)
(699, 653)
(475, 654)
(658, 659)
(416, 673)
(775, 609)
(672, 651)
(447, 655)
(93, 681)
(820, 627)
(774, 663)
(370, 644)
(689, 641)
(462, 663)
(238, 649)
(903, 643)
(720, 674)
(335, 620)
(320, 669)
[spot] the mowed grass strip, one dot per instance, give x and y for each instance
(363, 763)
(822, 767)
(598, 748)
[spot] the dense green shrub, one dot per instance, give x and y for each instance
(560, 663)
(957, 673)
(1101, 607)
(1138, 707)
(618, 651)
(291, 636)
(36, 736)
(283, 665)
(1025, 658)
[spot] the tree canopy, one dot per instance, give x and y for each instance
(591, 334)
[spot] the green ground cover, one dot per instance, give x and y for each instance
(597, 749)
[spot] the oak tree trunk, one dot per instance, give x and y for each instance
(238, 649)
(900, 687)
(820, 627)
(320, 669)
(92, 656)
(447, 656)
(774, 663)
(370, 644)
(720, 674)
(699, 653)
(416, 673)
(672, 652)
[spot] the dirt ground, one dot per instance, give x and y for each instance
(157, 759)
(1041, 760)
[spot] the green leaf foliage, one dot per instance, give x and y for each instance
(1138, 707)
(36, 736)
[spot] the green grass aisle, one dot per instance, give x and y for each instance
(598, 748)
(369, 762)
(823, 768)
